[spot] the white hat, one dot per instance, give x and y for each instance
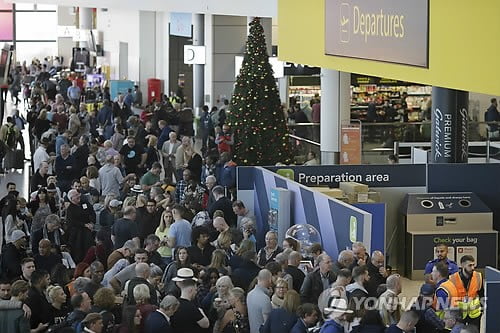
(338, 305)
(185, 274)
(137, 189)
(115, 203)
(17, 235)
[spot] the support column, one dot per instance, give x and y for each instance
(450, 118)
(198, 70)
(209, 63)
(147, 50)
(85, 21)
(335, 109)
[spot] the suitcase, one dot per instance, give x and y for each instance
(19, 162)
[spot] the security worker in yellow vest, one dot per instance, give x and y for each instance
(464, 290)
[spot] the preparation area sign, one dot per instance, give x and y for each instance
(394, 31)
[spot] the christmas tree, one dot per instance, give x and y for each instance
(256, 117)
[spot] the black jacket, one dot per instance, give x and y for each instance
(313, 286)
(226, 206)
(38, 181)
(297, 275)
(40, 307)
(376, 279)
(11, 261)
(79, 236)
(130, 291)
(244, 274)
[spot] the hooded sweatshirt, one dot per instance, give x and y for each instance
(110, 178)
(331, 326)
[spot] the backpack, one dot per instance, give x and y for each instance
(11, 138)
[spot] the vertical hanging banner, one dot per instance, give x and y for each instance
(449, 140)
(350, 147)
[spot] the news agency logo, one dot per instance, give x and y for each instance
(345, 14)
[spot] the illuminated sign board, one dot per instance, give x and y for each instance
(394, 31)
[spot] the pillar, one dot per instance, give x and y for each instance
(449, 138)
(335, 109)
(85, 21)
(198, 70)
(147, 51)
(209, 63)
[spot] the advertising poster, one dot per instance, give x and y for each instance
(350, 147)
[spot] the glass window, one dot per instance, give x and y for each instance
(45, 7)
(5, 6)
(29, 50)
(36, 26)
(6, 26)
(24, 6)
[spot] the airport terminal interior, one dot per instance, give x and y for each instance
(265, 166)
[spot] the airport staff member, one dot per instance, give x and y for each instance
(464, 290)
(442, 256)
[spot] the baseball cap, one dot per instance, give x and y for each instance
(115, 203)
(17, 235)
(427, 290)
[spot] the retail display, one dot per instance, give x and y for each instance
(304, 93)
(366, 89)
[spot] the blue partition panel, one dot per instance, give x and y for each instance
(333, 219)
(492, 293)
(378, 223)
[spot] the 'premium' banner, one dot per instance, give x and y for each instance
(449, 140)
(385, 30)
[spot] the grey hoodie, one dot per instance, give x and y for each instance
(110, 178)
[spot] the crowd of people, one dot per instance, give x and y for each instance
(128, 229)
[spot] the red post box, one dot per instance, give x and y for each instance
(154, 90)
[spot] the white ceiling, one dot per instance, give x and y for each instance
(262, 8)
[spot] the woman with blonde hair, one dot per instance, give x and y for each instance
(74, 123)
(166, 221)
(281, 320)
(58, 308)
(129, 201)
(142, 300)
(220, 300)
(235, 320)
(236, 260)
(219, 261)
(41, 125)
(152, 153)
(389, 309)
(141, 201)
(280, 289)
